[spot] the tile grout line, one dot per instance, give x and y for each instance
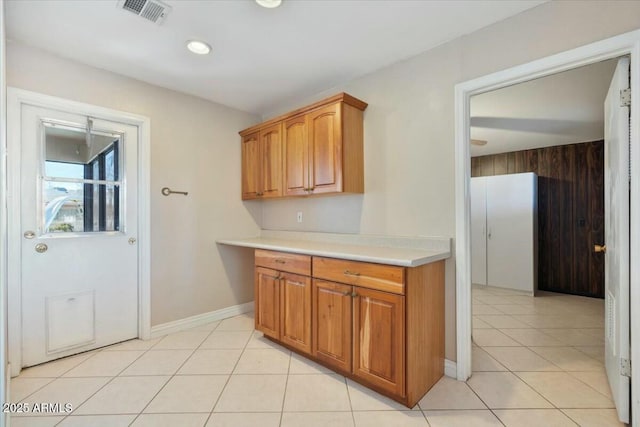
(104, 385)
(231, 373)
(528, 348)
(286, 385)
(353, 416)
(176, 371)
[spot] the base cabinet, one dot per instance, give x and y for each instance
(378, 340)
(267, 302)
(295, 311)
(283, 299)
(332, 324)
(382, 326)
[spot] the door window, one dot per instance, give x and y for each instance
(81, 180)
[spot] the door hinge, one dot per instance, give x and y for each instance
(625, 367)
(625, 97)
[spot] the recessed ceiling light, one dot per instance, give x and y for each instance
(198, 47)
(269, 4)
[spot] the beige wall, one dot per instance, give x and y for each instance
(194, 147)
(408, 151)
(409, 125)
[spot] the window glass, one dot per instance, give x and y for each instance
(63, 207)
(72, 199)
(64, 170)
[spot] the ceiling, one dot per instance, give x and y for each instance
(560, 109)
(261, 57)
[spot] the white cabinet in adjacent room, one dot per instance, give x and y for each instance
(504, 231)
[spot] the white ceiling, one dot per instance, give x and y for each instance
(564, 108)
(261, 57)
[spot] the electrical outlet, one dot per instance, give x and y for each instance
(299, 217)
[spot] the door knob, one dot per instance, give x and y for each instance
(41, 248)
(600, 248)
(29, 234)
(132, 240)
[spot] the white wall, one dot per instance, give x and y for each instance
(409, 125)
(3, 217)
(195, 147)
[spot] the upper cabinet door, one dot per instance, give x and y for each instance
(251, 166)
(296, 154)
(271, 161)
(325, 149)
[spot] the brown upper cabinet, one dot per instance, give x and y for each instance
(262, 163)
(317, 149)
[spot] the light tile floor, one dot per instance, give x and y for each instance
(536, 361)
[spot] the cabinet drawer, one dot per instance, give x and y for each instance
(388, 278)
(283, 261)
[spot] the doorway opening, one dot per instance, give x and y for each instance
(592, 54)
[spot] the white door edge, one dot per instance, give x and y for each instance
(15, 98)
(624, 44)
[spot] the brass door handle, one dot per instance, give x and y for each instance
(600, 248)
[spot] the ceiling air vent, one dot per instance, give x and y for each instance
(152, 10)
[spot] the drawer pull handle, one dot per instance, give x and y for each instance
(351, 273)
(280, 261)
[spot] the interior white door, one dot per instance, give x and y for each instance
(511, 215)
(616, 232)
(79, 255)
(479, 230)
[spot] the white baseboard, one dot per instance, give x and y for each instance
(199, 319)
(450, 368)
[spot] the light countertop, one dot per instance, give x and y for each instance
(393, 255)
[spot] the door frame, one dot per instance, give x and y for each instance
(624, 44)
(15, 99)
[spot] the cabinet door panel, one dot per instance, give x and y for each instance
(378, 340)
(271, 145)
(332, 314)
(296, 164)
(325, 146)
(296, 311)
(251, 166)
(267, 296)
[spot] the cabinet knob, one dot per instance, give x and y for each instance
(354, 294)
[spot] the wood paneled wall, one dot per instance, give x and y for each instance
(570, 211)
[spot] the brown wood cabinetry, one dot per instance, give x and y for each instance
(283, 298)
(332, 324)
(321, 151)
(262, 163)
(378, 341)
(380, 325)
(267, 302)
(295, 310)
